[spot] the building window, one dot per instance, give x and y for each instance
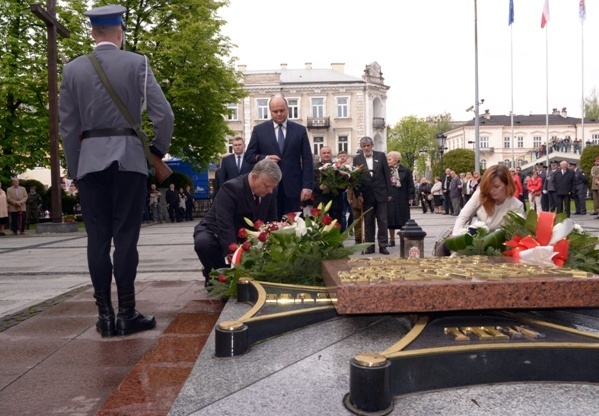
(536, 141)
(318, 143)
(317, 107)
(507, 163)
(232, 113)
(483, 142)
(483, 164)
(342, 107)
(520, 163)
(262, 105)
(506, 142)
(293, 108)
(520, 140)
(343, 144)
(595, 138)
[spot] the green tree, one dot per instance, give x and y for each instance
(24, 132)
(189, 58)
(591, 105)
(414, 138)
(459, 160)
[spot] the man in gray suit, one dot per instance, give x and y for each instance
(107, 161)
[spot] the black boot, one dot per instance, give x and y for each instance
(105, 325)
(129, 321)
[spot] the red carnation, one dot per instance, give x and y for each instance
(315, 212)
(327, 219)
(242, 233)
(263, 236)
(222, 278)
(337, 224)
(246, 246)
(258, 224)
(232, 247)
(291, 216)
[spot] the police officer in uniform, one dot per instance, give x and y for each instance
(107, 160)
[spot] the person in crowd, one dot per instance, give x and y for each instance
(374, 194)
(17, 200)
(595, 186)
(155, 206)
(357, 209)
(455, 193)
(580, 190)
(287, 143)
(347, 216)
(534, 186)
(321, 196)
(34, 200)
(563, 182)
(402, 195)
(447, 205)
(246, 196)
(524, 195)
(549, 187)
(188, 203)
(3, 211)
(467, 190)
(172, 202)
(542, 172)
(493, 199)
(437, 193)
(182, 203)
(426, 195)
(105, 157)
(233, 165)
(517, 182)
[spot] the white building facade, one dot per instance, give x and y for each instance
(337, 109)
(564, 141)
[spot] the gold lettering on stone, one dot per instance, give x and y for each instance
(529, 333)
(478, 332)
(456, 334)
(510, 332)
(497, 335)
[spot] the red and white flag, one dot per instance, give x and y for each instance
(545, 16)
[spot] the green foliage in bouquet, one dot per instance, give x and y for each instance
(336, 178)
(289, 252)
(477, 240)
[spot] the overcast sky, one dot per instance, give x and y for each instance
(426, 49)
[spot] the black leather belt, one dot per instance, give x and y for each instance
(107, 132)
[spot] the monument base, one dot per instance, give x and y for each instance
(52, 227)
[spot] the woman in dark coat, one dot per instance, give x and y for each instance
(402, 195)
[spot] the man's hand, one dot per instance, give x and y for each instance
(306, 194)
(273, 157)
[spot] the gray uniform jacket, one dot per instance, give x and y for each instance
(84, 104)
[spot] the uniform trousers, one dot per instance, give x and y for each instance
(112, 203)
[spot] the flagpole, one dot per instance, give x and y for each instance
(512, 88)
(476, 102)
(582, 142)
(547, 92)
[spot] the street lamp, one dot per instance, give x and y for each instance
(441, 143)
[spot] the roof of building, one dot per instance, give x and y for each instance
(312, 76)
(528, 120)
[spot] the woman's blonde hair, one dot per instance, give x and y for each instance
(394, 155)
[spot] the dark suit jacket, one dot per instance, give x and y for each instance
(228, 168)
(232, 204)
(378, 186)
(563, 183)
(296, 161)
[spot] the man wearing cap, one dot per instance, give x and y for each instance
(107, 161)
(595, 186)
(580, 189)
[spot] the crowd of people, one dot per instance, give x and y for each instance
(565, 145)
(18, 208)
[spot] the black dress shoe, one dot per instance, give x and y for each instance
(383, 250)
(129, 320)
(592, 213)
(369, 250)
(391, 244)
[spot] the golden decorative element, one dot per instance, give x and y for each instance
(468, 268)
(245, 280)
(456, 334)
(370, 360)
(230, 325)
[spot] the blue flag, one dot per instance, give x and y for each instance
(511, 18)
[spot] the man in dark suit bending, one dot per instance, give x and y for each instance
(374, 192)
(247, 196)
(286, 143)
(234, 165)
